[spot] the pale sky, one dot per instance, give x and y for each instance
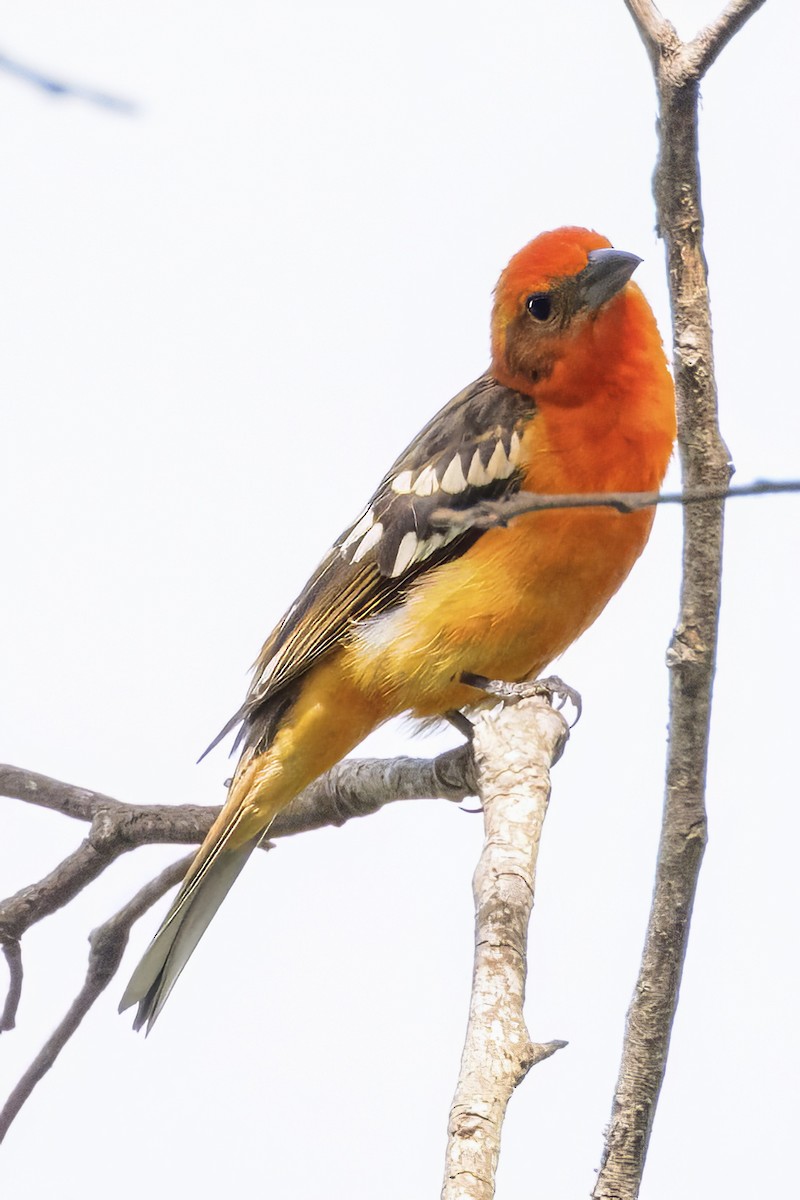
(221, 320)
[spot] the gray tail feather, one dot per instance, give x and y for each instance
(184, 925)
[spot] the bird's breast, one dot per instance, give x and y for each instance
(505, 609)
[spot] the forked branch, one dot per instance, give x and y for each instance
(354, 788)
(106, 946)
(678, 68)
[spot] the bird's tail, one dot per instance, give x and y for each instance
(201, 894)
(277, 763)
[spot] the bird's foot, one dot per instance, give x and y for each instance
(552, 687)
(461, 722)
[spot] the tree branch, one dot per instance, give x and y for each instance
(514, 749)
(704, 49)
(353, 788)
(655, 30)
(489, 513)
(39, 900)
(107, 944)
(13, 956)
(692, 653)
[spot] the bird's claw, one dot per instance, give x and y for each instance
(552, 687)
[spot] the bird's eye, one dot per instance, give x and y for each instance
(540, 306)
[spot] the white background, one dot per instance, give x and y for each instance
(221, 319)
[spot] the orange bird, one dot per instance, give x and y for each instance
(578, 398)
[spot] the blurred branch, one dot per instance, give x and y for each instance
(514, 749)
(678, 69)
(59, 87)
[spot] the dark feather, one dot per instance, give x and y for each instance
(352, 582)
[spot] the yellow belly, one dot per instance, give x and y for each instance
(505, 609)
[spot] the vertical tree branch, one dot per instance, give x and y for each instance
(692, 653)
(514, 749)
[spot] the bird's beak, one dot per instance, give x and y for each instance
(608, 271)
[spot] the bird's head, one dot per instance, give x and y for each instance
(549, 297)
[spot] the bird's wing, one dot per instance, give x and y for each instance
(470, 451)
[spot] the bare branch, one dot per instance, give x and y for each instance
(52, 793)
(107, 944)
(654, 29)
(358, 787)
(41, 899)
(489, 513)
(703, 50)
(514, 749)
(687, 62)
(13, 954)
(692, 654)
(353, 788)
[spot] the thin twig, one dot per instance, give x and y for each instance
(107, 944)
(692, 654)
(514, 749)
(13, 956)
(499, 512)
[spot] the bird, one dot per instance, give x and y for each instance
(407, 613)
